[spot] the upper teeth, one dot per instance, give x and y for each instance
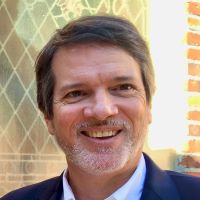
(99, 134)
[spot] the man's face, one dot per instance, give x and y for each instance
(100, 113)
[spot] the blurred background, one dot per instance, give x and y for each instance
(28, 153)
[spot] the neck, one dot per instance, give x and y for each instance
(87, 186)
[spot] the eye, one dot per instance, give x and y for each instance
(125, 89)
(74, 96)
(75, 93)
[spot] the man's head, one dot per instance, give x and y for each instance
(107, 30)
(95, 83)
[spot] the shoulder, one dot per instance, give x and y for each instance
(182, 179)
(188, 186)
(170, 184)
(32, 191)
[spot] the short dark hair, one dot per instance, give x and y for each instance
(109, 30)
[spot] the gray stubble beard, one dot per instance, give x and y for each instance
(105, 159)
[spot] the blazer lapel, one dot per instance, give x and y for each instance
(55, 196)
(158, 184)
(53, 192)
(149, 194)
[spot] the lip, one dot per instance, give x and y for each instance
(105, 134)
(105, 141)
(101, 132)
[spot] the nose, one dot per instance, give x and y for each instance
(102, 106)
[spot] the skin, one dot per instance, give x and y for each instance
(98, 88)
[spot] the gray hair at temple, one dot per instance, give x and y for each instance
(109, 30)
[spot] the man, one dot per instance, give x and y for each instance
(95, 83)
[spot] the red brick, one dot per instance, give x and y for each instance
(193, 39)
(193, 86)
(190, 161)
(194, 130)
(193, 173)
(193, 146)
(194, 69)
(194, 8)
(194, 115)
(194, 54)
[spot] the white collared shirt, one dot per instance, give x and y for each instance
(132, 189)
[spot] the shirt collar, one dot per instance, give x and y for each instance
(132, 189)
(67, 191)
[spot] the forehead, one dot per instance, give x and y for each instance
(93, 60)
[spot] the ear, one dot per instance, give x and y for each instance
(49, 123)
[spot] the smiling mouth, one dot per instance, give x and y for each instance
(101, 134)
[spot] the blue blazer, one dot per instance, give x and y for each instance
(159, 185)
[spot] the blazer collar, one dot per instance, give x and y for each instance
(158, 184)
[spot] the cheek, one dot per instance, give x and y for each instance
(135, 106)
(136, 110)
(65, 117)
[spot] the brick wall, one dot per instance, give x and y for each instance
(189, 160)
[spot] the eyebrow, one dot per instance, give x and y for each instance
(71, 86)
(123, 78)
(80, 85)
